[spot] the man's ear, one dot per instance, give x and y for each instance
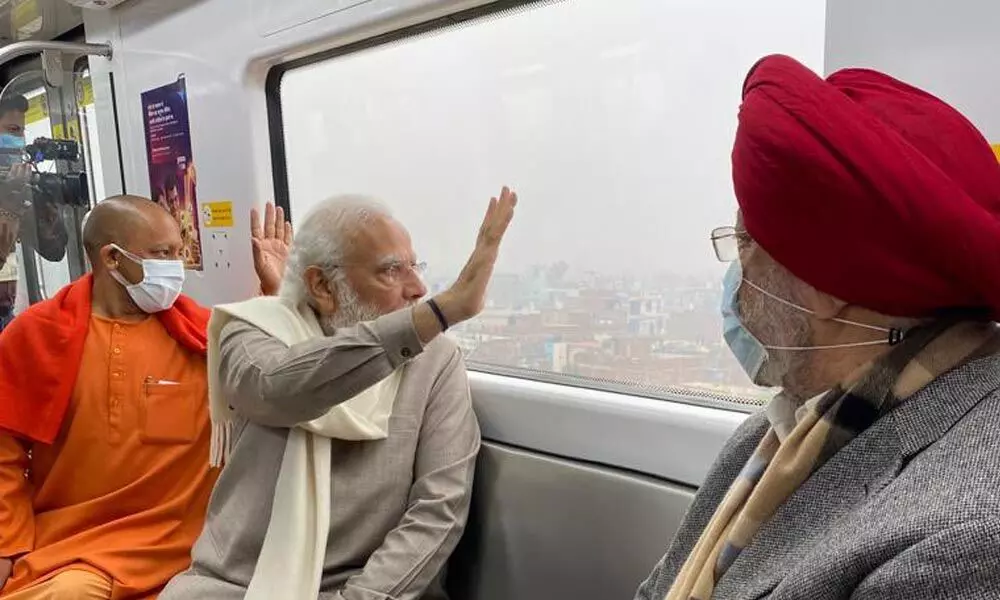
(322, 291)
(825, 306)
(109, 257)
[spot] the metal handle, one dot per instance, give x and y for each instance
(22, 48)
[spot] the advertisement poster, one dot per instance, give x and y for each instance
(172, 177)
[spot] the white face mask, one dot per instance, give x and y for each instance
(161, 283)
(893, 336)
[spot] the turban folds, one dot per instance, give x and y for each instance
(869, 189)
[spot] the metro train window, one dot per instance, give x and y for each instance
(613, 121)
(52, 276)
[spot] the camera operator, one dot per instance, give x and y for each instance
(35, 221)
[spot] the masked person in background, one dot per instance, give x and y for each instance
(865, 282)
(37, 222)
(104, 475)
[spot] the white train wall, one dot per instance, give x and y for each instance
(948, 48)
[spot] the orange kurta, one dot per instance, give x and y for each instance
(124, 488)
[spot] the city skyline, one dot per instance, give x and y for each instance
(657, 335)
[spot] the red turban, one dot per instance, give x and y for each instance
(869, 189)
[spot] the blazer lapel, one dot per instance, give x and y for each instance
(863, 467)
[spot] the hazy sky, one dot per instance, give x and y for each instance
(613, 120)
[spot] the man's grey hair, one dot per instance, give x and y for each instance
(325, 240)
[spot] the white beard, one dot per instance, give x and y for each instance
(350, 311)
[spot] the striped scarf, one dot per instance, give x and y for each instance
(825, 425)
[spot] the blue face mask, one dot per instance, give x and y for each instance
(11, 150)
(748, 350)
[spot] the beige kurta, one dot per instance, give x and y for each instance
(398, 505)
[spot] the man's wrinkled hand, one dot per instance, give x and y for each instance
(271, 241)
(467, 296)
(13, 190)
(19, 173)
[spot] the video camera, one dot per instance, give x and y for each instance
(70, 188)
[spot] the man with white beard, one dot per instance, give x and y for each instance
(343, 419)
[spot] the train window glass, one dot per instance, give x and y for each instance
(91, 142)
(52, 276)
(36, 121)
(613, 120)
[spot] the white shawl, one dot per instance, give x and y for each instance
(291, 561)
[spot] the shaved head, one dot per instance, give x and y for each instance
(130, 222)
(120, 235)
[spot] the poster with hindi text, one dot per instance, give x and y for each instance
(172, 176)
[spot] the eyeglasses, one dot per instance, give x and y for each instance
(393, 271)
(396, 271)
(726, 242)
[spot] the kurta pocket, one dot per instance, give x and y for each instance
(168, 410)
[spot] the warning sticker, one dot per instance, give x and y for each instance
(38, 110)
(217, 214)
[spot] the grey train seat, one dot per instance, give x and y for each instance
(548, 528)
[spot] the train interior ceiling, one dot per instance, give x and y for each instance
(600, 379)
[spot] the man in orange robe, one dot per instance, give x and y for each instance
(104, 428)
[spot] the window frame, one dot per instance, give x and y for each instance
(282, 198)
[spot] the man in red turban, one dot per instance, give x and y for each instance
(865, 283)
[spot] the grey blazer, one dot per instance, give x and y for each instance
(909, 510)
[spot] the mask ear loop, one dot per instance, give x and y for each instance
(132, 257)
(895, 334)
(116, 274)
